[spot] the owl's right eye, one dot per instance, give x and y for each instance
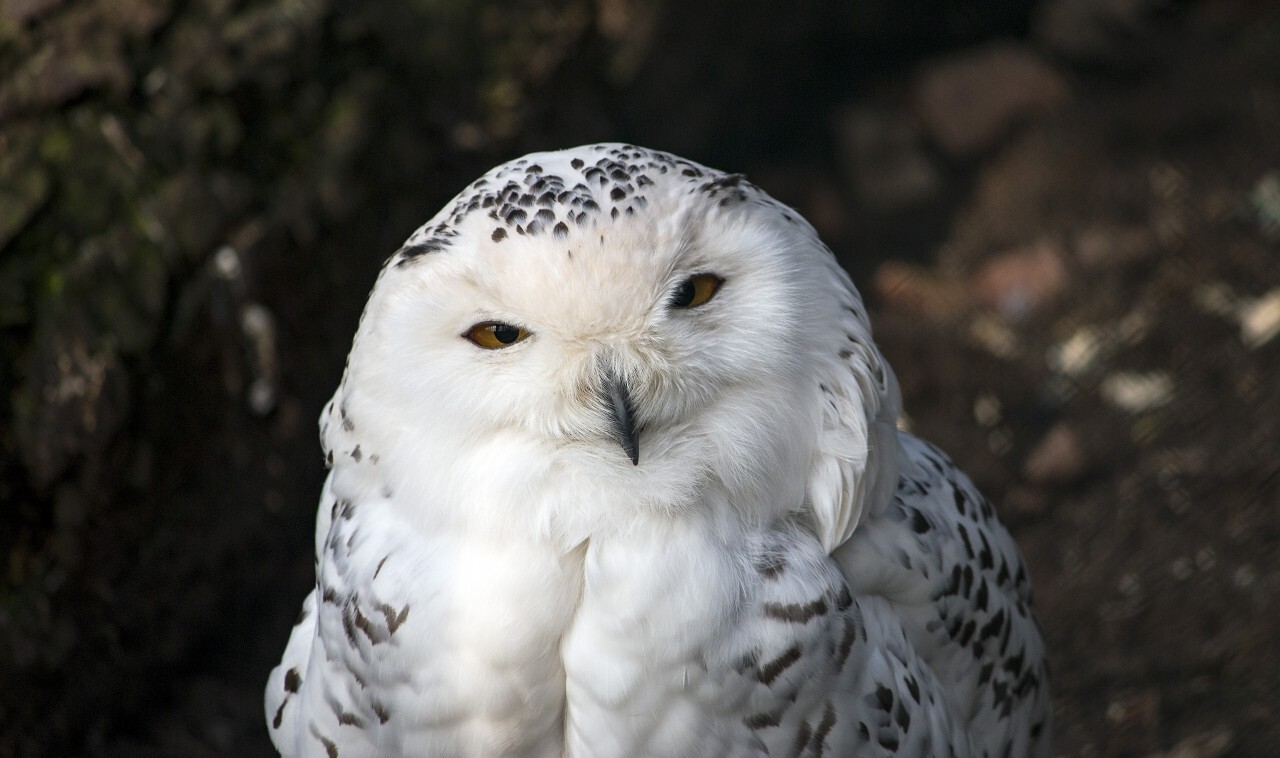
(695, 291)
(492, 335)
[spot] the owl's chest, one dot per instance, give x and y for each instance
(453, 640)
(653, 644)
(693, 642)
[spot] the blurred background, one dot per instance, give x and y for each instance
(1065, 215)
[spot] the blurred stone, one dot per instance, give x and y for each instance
(1026, 501)
(1135, 719)
(1102, 246)
(1020, 283)
(1078, 353)
(1058, 458)
(987, 410)
(1265, 199)
(1260, 319)
(135, 18)
(993, 335)
(884, 158)
(919, 290)
(1103, 31)
(19, 12)
(1210, 744)
(1216, 297)
(1244, 576)
(1136, 392)
(1000, 440)
(967, 103)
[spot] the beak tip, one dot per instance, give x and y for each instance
(630, 444)
(624, 430)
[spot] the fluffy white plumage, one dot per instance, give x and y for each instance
(783, 572)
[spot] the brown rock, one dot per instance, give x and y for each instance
(919, 290)
(19, 12)
(1105, 247)
(1025, 501)
(1135, 721)
(1058, 458)
(1099, 31)
(883, 154)
(1210, 744)
(967, 103)
(1023, 281)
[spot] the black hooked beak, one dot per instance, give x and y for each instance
(618, 398)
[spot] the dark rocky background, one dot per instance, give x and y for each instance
(1066, 216)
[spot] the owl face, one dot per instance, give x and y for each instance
(663, 330)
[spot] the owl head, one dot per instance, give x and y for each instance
(585, 335)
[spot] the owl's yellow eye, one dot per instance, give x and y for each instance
(492, 335)
(695, 291)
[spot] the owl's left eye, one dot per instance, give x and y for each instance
(492, 335)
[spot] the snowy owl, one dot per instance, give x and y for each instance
(614, 471)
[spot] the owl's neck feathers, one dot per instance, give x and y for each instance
(511, 485)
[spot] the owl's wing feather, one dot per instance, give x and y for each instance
(935, 576)
(317, 699)
(940, 566)
(379, 663)
(855, 470)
